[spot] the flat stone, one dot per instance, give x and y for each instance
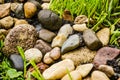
(43, 46)
(61, 67)
(104, 54)
(80, 27)
(30, 9)
(7, 22)
(81, 55)
(59, 40)
(104, 36)
(108, 70)
(98, 75)
(20, 21)
(84, 69)
(46, 35)
(17, 61)
(66, 29)
(71, 43)
(74, 74)
(91, 40)
(4, 9)
(22, 35)
(33, 54)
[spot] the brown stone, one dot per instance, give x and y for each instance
(104, 54)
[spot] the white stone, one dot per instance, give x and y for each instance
(47, 59)
(84, 69)
(80, 27)
(33, 54)
(45, 6)
(58, 70)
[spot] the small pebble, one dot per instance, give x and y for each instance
(47, 59)
(45, 6)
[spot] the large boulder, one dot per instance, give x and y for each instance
(23, 35)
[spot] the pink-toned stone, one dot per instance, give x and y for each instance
(104, 54)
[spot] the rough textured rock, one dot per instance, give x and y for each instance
(45, 6)
(80, 27)
(17, 61)
(108, 70)
(33, 54)
(30, 9)
(4, 10)
(7, 22)
(59, 40)
(14, 6)
(46, 35)
(81, 19)
(104, 35)
(81, 55)
(74, 74)
(22, 35)
(47, 59)
(98, 75)
(49, 19)
(104, 54)
(91, 39)
(52, 72)
(3, 33)
(43, 46)
(66, 29)
(84, 69)
(55, 53)
(71, 43)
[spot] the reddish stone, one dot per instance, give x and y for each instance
(104, 54)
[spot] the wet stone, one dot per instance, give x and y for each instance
(91, 40)
(17, 61)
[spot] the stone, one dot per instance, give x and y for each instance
(3, 34)
(67, 15)
(46, 35)
(33, 54)
(4, 9)
(87, 78)
(49, 19)
(19, 11)
(2, 1)
(30, 9)
(80, 55)
(23, 35)
(104, 36)
(81, 19)
(55, 53)
(43, 46)
(17, 61)
(20, 21)
(84, 69)
(119, 79)
(74, 74)
(47, 59)
(45, 6)
(91, 40)
(59, 40)
(108, 70)
(80, 27)
(71, 43)
(46, 1)
(14, 6)
(66, 29)
(98, 75)
(7, 22)
(58, 68)
(104, 54)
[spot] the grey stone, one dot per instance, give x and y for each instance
(91, 40)
(49, 19)
(43, 46)
(23, 35)
(46, 35)
(71, 43)
(17, 61)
